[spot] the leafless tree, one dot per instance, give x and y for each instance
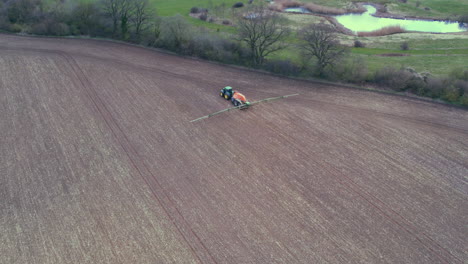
(126, 9)
(84, 16)
(111, 9)
(141, 16)
(263, 31)
(119, 11)
(320, 41)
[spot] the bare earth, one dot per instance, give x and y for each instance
(100, 164)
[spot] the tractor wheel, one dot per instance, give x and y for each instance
(221, 94)
(226, 97)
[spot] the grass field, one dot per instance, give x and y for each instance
(434, 53)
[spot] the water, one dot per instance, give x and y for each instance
(366, 22)
(297, 10)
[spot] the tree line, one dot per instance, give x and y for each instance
(121, 19)
(260, 32)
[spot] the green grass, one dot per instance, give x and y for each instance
(415, 41)
(374, 51)
(438, 57)
(436, 65)
(438, 8)
(182, 7)
(170, 8)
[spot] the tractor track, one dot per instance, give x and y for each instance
(383, 208)
(135, 158)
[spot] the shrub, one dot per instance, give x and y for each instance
(175, 33)
(213, 47)
(463, 19)
(350, 70)
(359, 44)
(238, 5)
(393, 78)
(289, 4)
(204, 16)
(39, 28)
(434, 87)
(404, 46)
(284, 67)
(462, 87)
(49, 27)
(59, 29)
(404, 1)
(418, 3)
(427, 9)
(459, 73)
(15, 28)
(382, 32)
(383, 9)
(451, 94)
(226, 22)
(194, 10)
(330, 10)
(211, 20)
(464, 100)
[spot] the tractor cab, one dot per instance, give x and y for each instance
(227, 92)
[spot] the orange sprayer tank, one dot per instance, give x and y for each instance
(239, 97)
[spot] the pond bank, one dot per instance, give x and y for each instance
(376, 17)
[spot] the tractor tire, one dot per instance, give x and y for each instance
(226, 97)
(221, 94)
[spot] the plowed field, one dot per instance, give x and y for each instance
(100, 164)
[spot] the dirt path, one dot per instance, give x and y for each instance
(100, 164)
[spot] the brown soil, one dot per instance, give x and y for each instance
(100, 164)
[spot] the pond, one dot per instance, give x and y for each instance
(366, 22)
(297, 10)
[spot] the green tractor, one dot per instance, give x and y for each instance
(235, 97)
(227, 92)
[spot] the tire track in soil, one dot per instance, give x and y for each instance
(359, 110)
(180, 224)
(385, 209)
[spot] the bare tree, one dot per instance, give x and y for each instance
(111, 9)
(84, 15)
(263, 31)
(320, 41)
(22, 11)
(141, 16)
(119, 11)
(126, 8)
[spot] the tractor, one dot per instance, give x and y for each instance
(236, 98)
